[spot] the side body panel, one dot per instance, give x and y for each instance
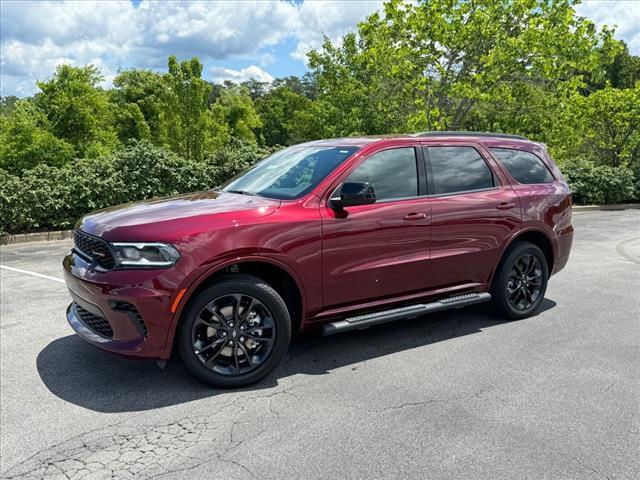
(469, 232)
(372, 251)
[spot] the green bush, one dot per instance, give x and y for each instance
(236, 157)
(600, 183)
(48, 197)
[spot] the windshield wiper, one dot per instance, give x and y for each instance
(241, 192)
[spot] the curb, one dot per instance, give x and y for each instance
(621, 206)
(36, 237)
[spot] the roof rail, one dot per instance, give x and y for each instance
(468, 134)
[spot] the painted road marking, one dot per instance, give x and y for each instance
(35, 274)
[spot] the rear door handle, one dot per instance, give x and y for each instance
(415, 216)
(505, 205)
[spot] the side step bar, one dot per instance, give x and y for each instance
(364, 321)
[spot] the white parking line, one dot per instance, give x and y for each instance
(35, 274)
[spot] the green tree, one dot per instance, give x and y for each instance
(624, 72)
(78, 110)
(26, 141)
(609, 120)
(307, 85)
(429, 65)
(192, 128)
(255, 88)
(130, 123)
(147, 90)
(277, 110)
(237, 109)
(7, 104)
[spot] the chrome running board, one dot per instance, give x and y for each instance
(412, 311)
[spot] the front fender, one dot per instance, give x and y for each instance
(193, 283)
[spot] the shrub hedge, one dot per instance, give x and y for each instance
(47, 197)
(601, 183)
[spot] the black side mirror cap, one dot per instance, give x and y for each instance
(353, 193)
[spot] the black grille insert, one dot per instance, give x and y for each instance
(96, 324)
(132, 312)
(93, 248)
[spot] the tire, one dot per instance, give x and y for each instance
(508, 290)
(246, 308)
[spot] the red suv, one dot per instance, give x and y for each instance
(337, 234)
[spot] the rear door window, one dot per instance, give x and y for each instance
(458, 169)
(524, 167)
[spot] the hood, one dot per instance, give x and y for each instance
(165, 218)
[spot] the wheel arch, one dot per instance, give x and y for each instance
(537, 237)
(280, 277)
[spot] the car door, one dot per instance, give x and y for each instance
(474, 211)
(379, 250)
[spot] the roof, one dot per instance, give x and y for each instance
(469, 134)
(365, 140)
(353, 141)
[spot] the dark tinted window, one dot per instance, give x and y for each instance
(393, 173)
(458, 169)
(524, 167)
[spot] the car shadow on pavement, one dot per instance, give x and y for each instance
(88, 377)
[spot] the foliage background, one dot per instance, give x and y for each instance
(529, 67)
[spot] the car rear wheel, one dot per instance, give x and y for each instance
(521, 281)
(234, 333)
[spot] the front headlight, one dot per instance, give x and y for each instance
(134, 255)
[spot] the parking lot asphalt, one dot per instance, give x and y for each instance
(452, 395)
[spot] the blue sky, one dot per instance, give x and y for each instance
(235, 40)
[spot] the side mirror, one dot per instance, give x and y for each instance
(353, 193)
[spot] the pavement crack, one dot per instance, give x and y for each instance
(404, 405)
(583, 465)
(158, 450)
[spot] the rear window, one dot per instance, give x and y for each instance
(524, 167)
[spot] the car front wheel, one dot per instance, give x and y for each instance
(235, 332)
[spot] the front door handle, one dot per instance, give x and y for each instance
(415, 216)
(505, 205)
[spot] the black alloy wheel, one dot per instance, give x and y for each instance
(525, 282)
(235, 332)
(520, 282)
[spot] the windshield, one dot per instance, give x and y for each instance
(290, 173)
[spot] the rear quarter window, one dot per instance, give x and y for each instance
(524, 167)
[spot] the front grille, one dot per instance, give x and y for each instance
(93, 248)
(96, 324)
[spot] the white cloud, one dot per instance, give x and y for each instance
(267, 59)
(220, 74)
(38, 36)
(624, 14)
(333, 19)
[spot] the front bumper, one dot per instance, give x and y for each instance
(123, 311)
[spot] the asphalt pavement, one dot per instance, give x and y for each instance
(452, 395)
